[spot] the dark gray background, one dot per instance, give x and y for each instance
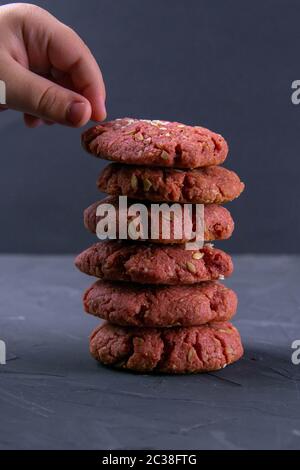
(227, 65)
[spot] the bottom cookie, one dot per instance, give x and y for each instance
(174, 350)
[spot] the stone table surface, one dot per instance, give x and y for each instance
(53, 395)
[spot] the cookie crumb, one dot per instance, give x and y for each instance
(191, 267)
(134, 182)
(198, 255)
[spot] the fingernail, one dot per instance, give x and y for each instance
(38, 123)
(34, 123)
(75, 113)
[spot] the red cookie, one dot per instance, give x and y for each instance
(169, 350)
(129, 304)
(153, 264)
(209, 185)
(155, 143)
(218, 223)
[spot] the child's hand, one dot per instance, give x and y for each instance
(49, 72)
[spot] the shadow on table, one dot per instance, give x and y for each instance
(261, 363)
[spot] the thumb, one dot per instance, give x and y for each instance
(35, 95)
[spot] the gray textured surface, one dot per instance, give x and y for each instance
(53, 395)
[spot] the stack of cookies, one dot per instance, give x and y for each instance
(164, 305)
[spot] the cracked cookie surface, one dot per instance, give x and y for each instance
(171, 350)
(155, 143)
(129, 304)
(218, 223)
(154, 264)
(208, 185)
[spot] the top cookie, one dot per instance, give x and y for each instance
(155, 143)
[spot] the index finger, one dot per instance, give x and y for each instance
(68, 53)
